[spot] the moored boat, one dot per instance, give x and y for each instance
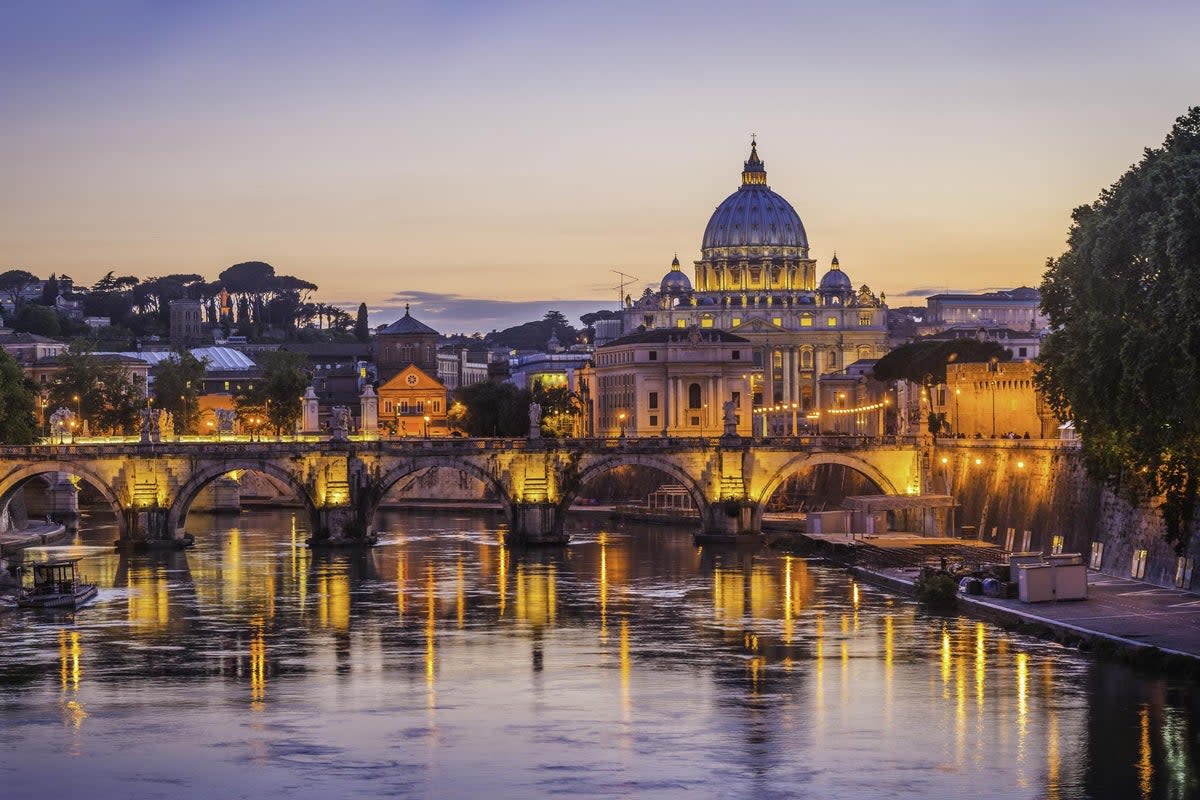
(56, 584)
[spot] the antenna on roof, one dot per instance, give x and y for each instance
(625, 281)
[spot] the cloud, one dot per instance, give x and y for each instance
(454, 313)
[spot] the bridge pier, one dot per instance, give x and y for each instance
(150, 529)
(730, 521)
(62, 499)
(536, 524)
(340, 526)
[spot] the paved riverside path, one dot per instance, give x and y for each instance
(1128, 611)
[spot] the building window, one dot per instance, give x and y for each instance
(654, 355)
(1056, 544)
(694, 395)
(653, 421)
(735, 322)
(1138, 570)
(832, 360)
(653, 401)
(1097, 555)
(831, 321)
(227, 386)
(706, 322)
(777, 322)
(695, 420)
(806, 359)
(680, 323)
(1022, 352)
(737, 399)
(806, 320)
(736, 355)
(864, 318)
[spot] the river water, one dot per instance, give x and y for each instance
(631, 663)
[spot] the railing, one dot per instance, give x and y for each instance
(110, 445)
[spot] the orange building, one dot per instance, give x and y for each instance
(412, 403)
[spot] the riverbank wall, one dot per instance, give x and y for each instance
(1034, 494)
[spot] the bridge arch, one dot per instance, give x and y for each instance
(187, 493)
(806, 460)
(603, 464)
(13, 481)
(402, 470)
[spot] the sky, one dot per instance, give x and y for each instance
(487, 161)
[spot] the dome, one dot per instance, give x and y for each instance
(835, 279)
(675, 282)
(755, 216)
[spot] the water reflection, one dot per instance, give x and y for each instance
(483, 670)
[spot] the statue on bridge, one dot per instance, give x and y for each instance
(340, 423)
(535, 420)
(60, 423)
(225, 420)
(151, 427)
(729, 415)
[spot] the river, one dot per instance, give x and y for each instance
(631, 663)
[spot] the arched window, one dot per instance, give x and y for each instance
(694, 395)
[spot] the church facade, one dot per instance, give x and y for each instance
(755, 278)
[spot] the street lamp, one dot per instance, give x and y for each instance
(621, 421)
(426, 426)
(78, 411)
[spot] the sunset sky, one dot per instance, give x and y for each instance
(488, 161)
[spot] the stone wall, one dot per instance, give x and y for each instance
(1040, 487)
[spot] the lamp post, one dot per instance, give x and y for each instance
(957, 419)
(621, 422)
(78, 414)
(426, 426)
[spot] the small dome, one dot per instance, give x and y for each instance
(835, 279)
(675, 282)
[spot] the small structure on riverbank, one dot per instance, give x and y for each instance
(927, 514)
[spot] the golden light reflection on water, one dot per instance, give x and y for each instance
(401, 583)
(603, 588)
(626, 669)
(1022, 703)
(430, 627)
(258, 665)
(70, 665)
(1145, 765)
(980, 664)
(502, 578)
(460, 593)
(946, 662)
(333, 601)
(147, 603)
(537, 599)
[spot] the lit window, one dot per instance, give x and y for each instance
(227, 386)
(735, 322)
(680, 323)
(1056, 544)
(805, 320)
(777, 322)
(864, 318)
(831, 321)
(706, 322)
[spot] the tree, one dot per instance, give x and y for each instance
(924, 362)
(177, 384)
(50, 290)
(493, 409)
(107, 395)
(560, 407)
(362, 331)
(17, 403)
(13, 283)
(37, 319)
(276, 396)
(1123, 360)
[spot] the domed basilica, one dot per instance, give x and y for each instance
(756, 279)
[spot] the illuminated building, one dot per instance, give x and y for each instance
(405, 342)
(756, 279)
(671, 382)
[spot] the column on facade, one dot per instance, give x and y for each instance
(794, 383)
(719, 403)
(816, 382)
(768, 377)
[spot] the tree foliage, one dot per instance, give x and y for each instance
(362, 330)
(178, 382)
(560, 407)
(13, 283)
(494, 409)
(276, 396)
(1123, 359)
(108, 397)
(924, 362)
(17, 403)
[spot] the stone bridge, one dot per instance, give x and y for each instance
(151, 487)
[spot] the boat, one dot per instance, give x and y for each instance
(56, 584)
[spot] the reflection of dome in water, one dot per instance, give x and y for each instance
(675, 282)
(755, 216)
